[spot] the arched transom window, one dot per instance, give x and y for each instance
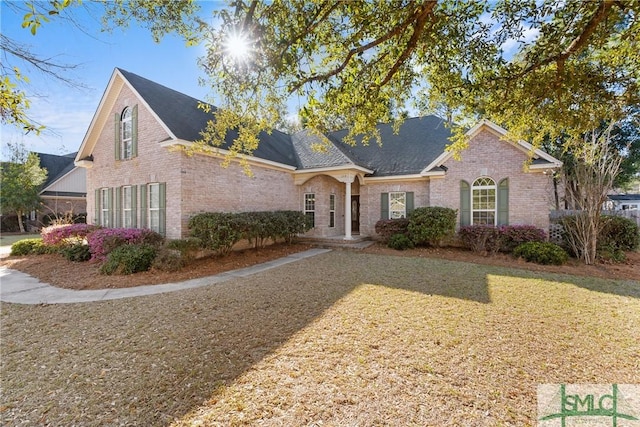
(483, 201)
(126, 132)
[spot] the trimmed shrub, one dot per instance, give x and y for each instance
(512, 236)
(618, 234)
(168, 260)
(186, 247)
(129, 259)
(431, 225)
(78, 252)
(400, 242)
(505, 238)
(30, 247)
(480, 238)
(104, 240)
(386, 228)
(217, 231)
(541, 253)
(291, 223)
(61, 234)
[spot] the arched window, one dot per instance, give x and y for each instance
(483, 201)
(126, 133)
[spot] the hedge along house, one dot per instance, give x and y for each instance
(136, 177)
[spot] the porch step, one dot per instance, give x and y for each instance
(356, 242)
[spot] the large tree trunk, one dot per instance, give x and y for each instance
(20, 223)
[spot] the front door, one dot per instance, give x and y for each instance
(355, 214)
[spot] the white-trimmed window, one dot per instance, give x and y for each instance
(483, 201)
(154, 207)
(397, 205)
(105, 207)
(310, 208)
(127, 207)
(332, 210)
(126, 134)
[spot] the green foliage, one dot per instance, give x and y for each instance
(22, 177)
(129, 259)
(431, 225)
(400, 242)
(30, 247)
(541, 253)
(169, 260)
(356, 69)
(78, 252)
(220, 231)
(386, 228)
(186, 247)
(217, 231)
(618, 234)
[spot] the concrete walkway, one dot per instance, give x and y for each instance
(20, 288)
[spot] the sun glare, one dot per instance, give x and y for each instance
(238, 47)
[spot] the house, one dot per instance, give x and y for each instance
(65, 190)
(136, 177)
(624, 202)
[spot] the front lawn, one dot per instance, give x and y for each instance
(340, 339)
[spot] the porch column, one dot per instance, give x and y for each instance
(347, 179)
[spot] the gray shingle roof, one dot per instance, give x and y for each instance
(419, 141)
(180, 113)
(56, 166)
(308, 158)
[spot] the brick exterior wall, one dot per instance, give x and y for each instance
(199, 183)
(208, 187)
(489, 156)
(370, 199)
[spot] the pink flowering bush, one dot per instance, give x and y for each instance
(56, 235)
(104, 240)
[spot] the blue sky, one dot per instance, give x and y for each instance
(67, 111)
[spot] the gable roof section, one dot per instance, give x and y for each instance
(419, 141)
(179, 115)
(56, 166)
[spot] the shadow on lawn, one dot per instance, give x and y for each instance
(153, 360)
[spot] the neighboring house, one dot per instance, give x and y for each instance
(136, 177)
(65, 190)
(623, 202)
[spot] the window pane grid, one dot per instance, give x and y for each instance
(483, 201)
(310, 207)
(154, 207)
(397, 205)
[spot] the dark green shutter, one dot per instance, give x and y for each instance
(116, 125)
(163, 207)
(134, 131)
(384, 206)
(96, 218)
(118, 210)
(503, 202)
(465, 203)
(134, 206)
(409, 201)
(143, 206)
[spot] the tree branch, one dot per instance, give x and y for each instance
(360, 49)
